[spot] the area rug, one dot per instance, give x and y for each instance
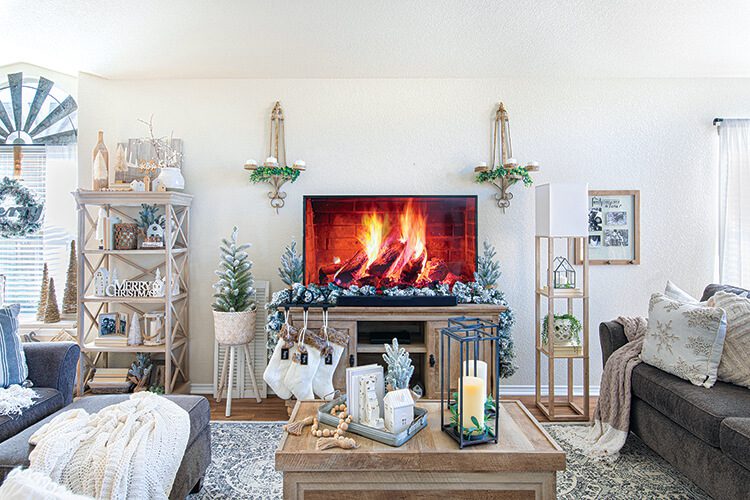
(242, 467)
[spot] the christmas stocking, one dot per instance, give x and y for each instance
(304, 364)
(281, 359)
(336, 342)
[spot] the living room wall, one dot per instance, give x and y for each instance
(424, 136)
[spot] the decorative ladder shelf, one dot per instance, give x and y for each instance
(138, 264)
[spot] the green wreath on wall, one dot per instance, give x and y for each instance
(23, 217)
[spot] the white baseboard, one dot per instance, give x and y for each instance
(505, 390)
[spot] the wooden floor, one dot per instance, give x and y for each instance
(274, 409)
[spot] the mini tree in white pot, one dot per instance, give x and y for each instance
(234, 304)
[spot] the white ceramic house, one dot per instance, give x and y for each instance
(369, 406)
(399, 410)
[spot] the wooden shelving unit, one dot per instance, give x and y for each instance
(547, 292)
(141, 264)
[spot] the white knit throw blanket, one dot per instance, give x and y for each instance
(128, 450)
(14, 399)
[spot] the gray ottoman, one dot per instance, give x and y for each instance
(14, 451)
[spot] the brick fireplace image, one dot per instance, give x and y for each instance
(388, 241)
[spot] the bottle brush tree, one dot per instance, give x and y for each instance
(234, 291)
(43, 292)
(488, 269)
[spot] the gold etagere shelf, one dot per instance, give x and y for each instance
(547, 292)
(135, 265)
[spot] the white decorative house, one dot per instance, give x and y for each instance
(101, 282)
(369, 406)
(398, 410)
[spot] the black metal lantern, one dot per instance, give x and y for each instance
(564, 276)
(473, 417)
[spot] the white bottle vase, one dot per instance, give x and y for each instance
(172, 178)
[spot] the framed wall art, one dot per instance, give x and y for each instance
(614, 224)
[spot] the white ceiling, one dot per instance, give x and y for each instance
(380, 39)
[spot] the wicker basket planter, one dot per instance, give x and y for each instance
(234, 328)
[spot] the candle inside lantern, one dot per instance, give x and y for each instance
(473, 402)
(468, 369)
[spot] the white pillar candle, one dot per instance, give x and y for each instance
(472, 401)
(468, 370)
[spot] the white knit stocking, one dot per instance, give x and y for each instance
(305, 363)
(281, 359)
(331, 355)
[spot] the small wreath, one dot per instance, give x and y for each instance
(25, 216)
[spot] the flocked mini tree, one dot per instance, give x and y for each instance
(488, 269)
(290, 271)
(234, 290)
(399, 365)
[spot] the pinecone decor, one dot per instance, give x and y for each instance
(290, 271)
(70, 296)
(488, 269)
(43, 294)
(52, 311)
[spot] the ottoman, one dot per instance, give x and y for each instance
(14, 452)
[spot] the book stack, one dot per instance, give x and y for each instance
(111, 341)
(110, 380)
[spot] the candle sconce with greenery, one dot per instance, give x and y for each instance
(473, 415)
(274, 170)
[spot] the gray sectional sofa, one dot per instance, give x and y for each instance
(704, 433)
(52, 368)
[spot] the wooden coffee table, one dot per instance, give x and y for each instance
(522, 465)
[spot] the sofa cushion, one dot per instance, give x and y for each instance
(734, 366)
(713, 288)
(15, 451)
(13, 369)
(48, 402)
(735, 439)
(697, 409)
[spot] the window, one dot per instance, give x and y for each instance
(38, 127)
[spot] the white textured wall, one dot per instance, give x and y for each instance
(424, 137)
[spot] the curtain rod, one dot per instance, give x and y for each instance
(717, 121)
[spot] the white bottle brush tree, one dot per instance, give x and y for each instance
(488, 268)
(234, 290)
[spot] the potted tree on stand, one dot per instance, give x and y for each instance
(234, 312)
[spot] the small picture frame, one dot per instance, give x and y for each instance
(111, 324)
(614, 224)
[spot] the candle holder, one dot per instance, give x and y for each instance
(476, 343)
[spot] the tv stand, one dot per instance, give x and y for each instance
(422, 323)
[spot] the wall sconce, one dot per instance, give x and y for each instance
(274, 170)
(507, 171)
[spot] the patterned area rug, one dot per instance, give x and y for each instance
(243, 467)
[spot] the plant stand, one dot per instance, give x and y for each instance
(548, 293)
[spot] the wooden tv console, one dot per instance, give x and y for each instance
(424, 350)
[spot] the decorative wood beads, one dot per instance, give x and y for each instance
(296, 428)
(342, 442)
(345, 419)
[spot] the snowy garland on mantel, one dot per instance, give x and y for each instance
(465, 293)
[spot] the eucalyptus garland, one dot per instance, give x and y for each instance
(465, 293)
(497, 173)
(264, 174)
(25, 217)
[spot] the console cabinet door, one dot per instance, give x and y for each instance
(432, 331)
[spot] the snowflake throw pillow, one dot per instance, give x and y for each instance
(684, 339)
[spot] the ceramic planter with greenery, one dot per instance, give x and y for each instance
(567, 330)
(234, 297)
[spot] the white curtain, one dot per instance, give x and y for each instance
(734, 202)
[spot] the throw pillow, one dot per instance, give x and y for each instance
(685, 340)
(735, 359)
(13, 368)
(674, 292)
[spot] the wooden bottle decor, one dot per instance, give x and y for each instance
(43, 294)
(70, 295)
(100, 158)
(52, 311)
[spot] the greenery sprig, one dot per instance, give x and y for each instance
(264, 174)
(21, 221)
(500, 172)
